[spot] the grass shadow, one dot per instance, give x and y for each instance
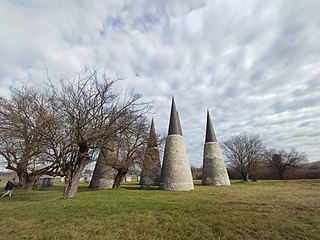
(128, 187)
(137, 187)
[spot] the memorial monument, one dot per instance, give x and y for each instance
(175, 173)
(214, 170)
(151, 167)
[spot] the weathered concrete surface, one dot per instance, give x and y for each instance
(150, 175)
(104, 175)
(107, 176)
(151, 167)
(214, 170)
(176, 173)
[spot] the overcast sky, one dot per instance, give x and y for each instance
(254, 64)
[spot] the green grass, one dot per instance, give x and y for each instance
(261, 210)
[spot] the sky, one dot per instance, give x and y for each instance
(255, 65)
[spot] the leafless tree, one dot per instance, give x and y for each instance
(126, 150)
(243, 153)
(23, 125)
(84, 107)
(121, 151)
(131, 147)
(61, 131)
(196, 172)
(281, 160)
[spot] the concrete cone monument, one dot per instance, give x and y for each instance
(103, 175)
(214, 170)
(151, 167)
(176, 173)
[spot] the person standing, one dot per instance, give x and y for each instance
(8, 189)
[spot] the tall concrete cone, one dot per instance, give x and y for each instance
(151, 167)
(214, 170)
(176, 173)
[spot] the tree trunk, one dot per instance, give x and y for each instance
(119, 177)
(25, 185)
(247, 177)
(74, 172)
(72, 184)
(25, 180)
(281, 174)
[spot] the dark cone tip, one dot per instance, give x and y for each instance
(152, 128)
(210, 134)
(174, 124)
(152, 141)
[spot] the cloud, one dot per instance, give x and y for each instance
(253, 64)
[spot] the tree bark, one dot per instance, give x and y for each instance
(245, 176)
(281, 174)
(74, 173)
(119, 177)
(72, 184)
(25, 180)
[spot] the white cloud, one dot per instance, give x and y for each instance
(253, 64)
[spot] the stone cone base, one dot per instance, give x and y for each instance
(107, 177)
(176, 173)
(150, 177)
(151, 170)
(214, 170)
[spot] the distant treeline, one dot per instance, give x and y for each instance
(309, 170)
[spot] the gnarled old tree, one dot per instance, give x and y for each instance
(84, 107)
(281, 160)
(244, 153)
(23, 125)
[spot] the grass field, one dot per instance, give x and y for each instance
(261, 210)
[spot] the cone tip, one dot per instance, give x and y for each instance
(210, 134)
(174, 122)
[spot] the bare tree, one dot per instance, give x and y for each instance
(84, 107)
(61, 131)
(281, 160)
(131, 147)
(243, 153)
(122, 150)
(23, 125)
(196, 172)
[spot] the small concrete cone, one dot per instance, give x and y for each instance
(176, 173)
(151, 167)
(104, 175)
(214, 170)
